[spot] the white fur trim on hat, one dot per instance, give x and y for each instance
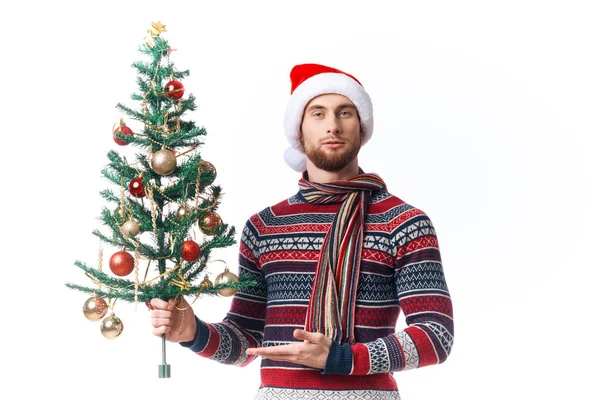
(295, 159)
(323, 83)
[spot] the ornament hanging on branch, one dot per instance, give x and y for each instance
(226, 277)
(164, 162)
(121, 263)
(183, 212)
(136, 187)
(210, 223)
(95, 308)
(111, 327)
(207, 168)
(130, 229)
(190, 250)
(123, 129)
(206, 283)
(174, 90)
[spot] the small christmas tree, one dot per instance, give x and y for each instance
(164, 195)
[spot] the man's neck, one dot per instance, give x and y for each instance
(321, 176)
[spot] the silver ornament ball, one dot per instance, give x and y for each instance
(111, 327)
(164, 162)
(130, 228)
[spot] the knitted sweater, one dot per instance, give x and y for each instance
(401, 270)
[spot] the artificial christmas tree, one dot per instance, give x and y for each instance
(164, 196)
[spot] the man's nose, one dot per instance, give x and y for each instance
(333, 126)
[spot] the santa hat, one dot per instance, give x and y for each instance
(310, 81)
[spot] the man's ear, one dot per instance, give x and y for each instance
(301, 139)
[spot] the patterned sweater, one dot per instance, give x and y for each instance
(401, 270)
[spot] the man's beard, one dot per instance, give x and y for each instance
(333, 161)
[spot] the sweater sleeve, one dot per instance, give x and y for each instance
(243, 327)
(425, 301)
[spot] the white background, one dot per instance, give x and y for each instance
(486, 118)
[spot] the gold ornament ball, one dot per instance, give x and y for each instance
(95, 308)
(130, 228)
(164, 162)
(111, 327)
(226, 277)
(207, 168)
(183, 212)
(206, 283)
(210, 223)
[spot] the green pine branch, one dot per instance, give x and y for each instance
(160, 239)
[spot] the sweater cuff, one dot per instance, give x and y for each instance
(339, 360)
(198, 343)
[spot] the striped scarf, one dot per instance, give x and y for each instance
(331, 307)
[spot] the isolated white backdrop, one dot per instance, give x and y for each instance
(486, 118)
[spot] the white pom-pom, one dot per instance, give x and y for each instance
(295, 159)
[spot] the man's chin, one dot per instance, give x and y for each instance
(331, 160)
(330, 165)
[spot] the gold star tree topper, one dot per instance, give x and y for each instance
(157, 28)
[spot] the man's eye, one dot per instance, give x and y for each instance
(318, 114)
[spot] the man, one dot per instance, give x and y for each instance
(335, 265)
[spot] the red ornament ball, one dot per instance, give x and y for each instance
(121, 263)
(190, 250)
(125, 130)
(136, 187)
(174, 90)
(210, 223)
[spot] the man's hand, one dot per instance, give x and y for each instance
(312, 352)
(177, 321)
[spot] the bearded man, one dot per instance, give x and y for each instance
(335, 264)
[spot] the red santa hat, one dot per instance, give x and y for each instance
(310, 81)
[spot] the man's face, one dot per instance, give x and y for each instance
(330, 132)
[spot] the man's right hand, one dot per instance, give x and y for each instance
(176, 321)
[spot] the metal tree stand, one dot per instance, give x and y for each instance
(164, 369)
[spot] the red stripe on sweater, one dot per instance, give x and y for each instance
(378, 256)
(361, 361)
(380, 317)
(276, 229)
(311, 379)
(295, 255)
(384, 205)
(283, 208)
(246, 252)
(288, 315)
(405, 216)
(213, 343)
(427, 354)
(427, 303)
(417, 244)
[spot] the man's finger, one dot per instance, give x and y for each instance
(285, 350)
(159, 304)
(160, 314)
(313, 337)
(161, 330)
(158, 322)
